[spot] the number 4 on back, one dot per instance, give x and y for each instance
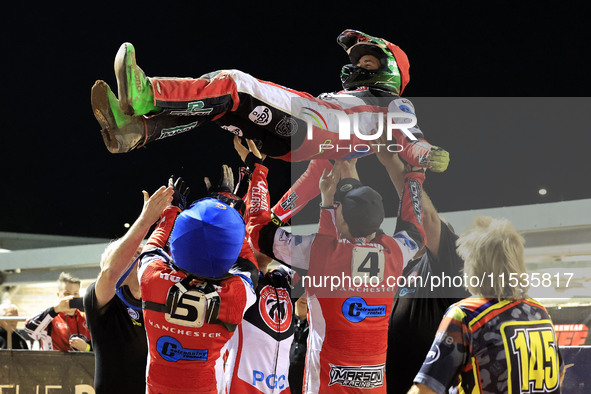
(368, 263)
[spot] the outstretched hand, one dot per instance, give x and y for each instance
(181, 192)
(328, 183)
(251, 155)
(226, 182)
(154, 205)
(348, 168)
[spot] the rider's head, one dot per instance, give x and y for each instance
(360, 210)
(207, 238)
(375, 63)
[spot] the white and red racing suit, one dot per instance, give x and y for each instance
(263, 340)
(279, 118)
(54, 330)
(260, 347)
(348, 324)
(187, 353)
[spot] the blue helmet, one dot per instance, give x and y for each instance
(207, 238)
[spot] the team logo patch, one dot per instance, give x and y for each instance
(405, 105)
(261, 115)
(363, 377)
(346, 187)
(135, 315)
(275, 308)
(233, 129)
(171, 350)
(194, 108)
(406, 109)
(286, 126)
(415, 197)
(289, 203)
(409, 243)
(404, 291)
(355, 309)
(165, 133)
(433, 355)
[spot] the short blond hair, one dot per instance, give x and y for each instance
(492, 249)
(66, 277)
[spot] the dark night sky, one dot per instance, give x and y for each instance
(58, 178)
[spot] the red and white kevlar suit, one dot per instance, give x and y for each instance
(348, 324)
(186, 355)
(304, 189)
(263, 340)
(287, 124)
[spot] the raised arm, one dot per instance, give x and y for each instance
(396, 171)
(328, 184)
(349, 168)
(160, 235)
(120, 253)
(304, 189)
(265, 235)
(409, 222)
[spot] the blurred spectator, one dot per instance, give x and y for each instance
(62, 327)
(10, 338)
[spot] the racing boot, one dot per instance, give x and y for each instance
(133, 87)
(122, 133)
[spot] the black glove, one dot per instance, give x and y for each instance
(224, 190)
(181, 192)
(251, 160)
(226, 183)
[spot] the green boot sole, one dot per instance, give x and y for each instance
(133, 87)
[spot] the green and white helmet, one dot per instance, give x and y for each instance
(393, 74)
